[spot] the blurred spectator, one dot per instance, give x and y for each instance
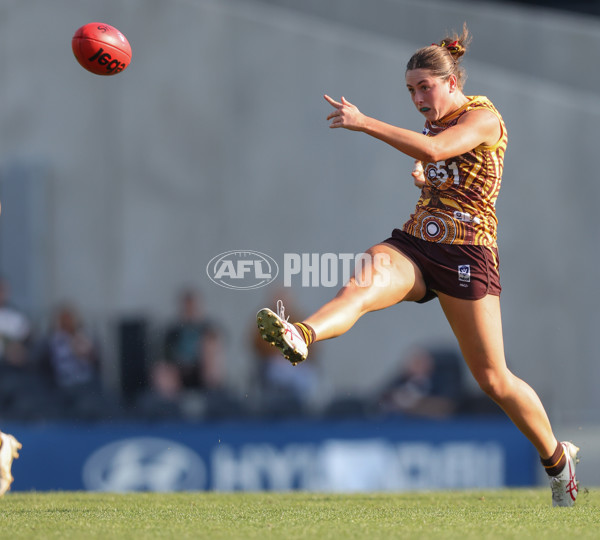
(23, 391)
(429, 383)
(69, 353)
(15, 330)
(283, 387)
(162, 400)
(195, 345)
(70, 358)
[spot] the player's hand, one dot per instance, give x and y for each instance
(418, 174)
(345, 115)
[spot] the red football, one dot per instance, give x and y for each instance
(101, 48)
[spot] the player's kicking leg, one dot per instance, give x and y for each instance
(9, 450)
(390, 277)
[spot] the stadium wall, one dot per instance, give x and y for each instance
(215, 139)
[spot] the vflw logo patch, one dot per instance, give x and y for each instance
(464, 273)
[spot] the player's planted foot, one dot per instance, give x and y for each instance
(282, 334)
(8, 451)
(564, 484)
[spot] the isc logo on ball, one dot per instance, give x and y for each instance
(105, 59)
(242, 269)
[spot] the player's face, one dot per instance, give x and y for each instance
(431, 95)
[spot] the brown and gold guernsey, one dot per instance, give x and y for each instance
(457, 204)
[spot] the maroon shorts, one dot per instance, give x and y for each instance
(463, 271)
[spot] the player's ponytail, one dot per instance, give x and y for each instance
(443, 58)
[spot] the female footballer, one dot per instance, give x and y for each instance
(447, 248)
(9, 450)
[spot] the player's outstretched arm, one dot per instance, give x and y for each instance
(474, 129)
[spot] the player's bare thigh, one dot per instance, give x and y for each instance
(477, 325)
(389, 277)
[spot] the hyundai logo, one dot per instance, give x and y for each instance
(144, 464)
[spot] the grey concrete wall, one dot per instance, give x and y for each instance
(215, 139)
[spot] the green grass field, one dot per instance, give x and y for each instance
(494, 514)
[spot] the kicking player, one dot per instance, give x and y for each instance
(447, 249)
(9, 450)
